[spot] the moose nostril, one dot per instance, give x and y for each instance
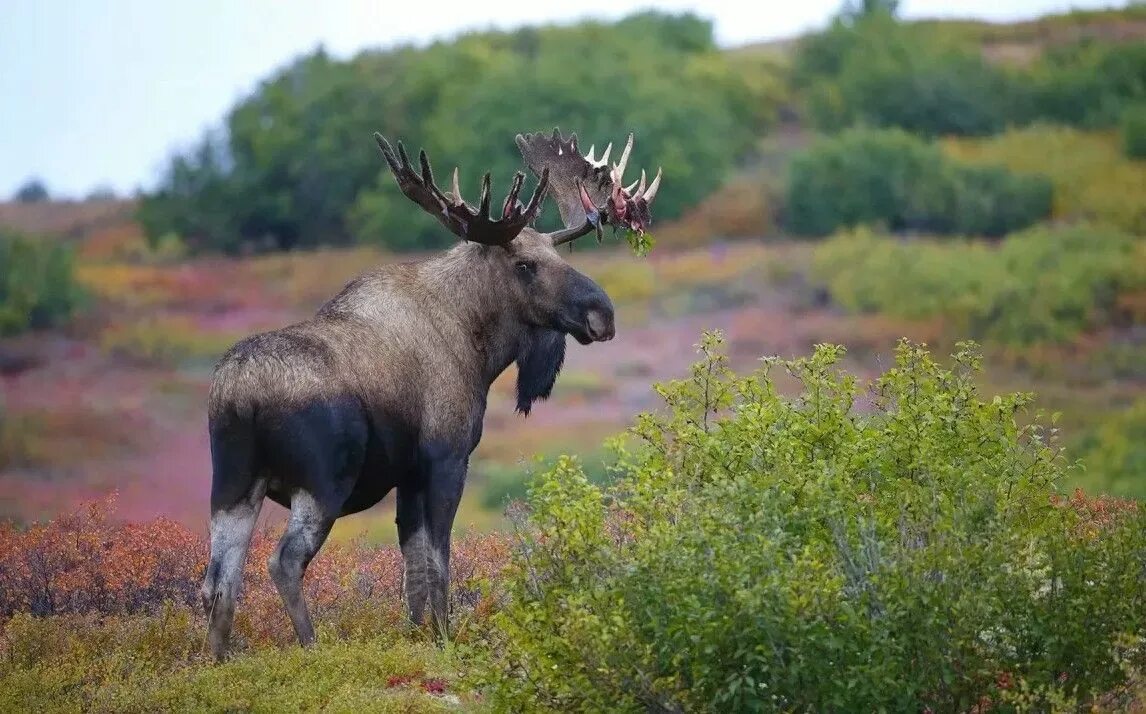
(599, 325)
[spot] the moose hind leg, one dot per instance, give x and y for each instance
(231, 529)
(414, 540)
(307, 530)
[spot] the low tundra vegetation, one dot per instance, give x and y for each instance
(97, 615)
(1039, 285)
(900, 545)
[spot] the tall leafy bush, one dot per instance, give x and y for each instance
(762, 552)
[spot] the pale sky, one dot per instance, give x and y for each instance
(101, 92)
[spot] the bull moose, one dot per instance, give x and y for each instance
(386, 386)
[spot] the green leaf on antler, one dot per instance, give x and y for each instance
(641, 242)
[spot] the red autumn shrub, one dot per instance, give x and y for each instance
(83, 562)
(1098, 513)
(87, 563)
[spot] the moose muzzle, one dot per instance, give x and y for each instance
(595, 314)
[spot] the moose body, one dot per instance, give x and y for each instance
(386, 387)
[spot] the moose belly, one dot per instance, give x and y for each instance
(389, 458)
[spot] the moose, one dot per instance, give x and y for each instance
(386, 386)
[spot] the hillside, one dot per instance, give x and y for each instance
(883, 374)
(70, 220)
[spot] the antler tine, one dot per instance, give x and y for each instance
(483, 202)
(387, 153)
(428, 177)
(605, 156)
(454, 213)
(402, 155)
(538, 195)
(511, 202)
(651, 192)
(589, 156)
(624, 162)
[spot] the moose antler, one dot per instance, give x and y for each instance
(588, 191)
(454, 213)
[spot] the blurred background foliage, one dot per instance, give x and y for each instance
(294, 166)
(941, 179)
(37, 286)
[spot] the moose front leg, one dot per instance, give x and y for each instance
(426, 510)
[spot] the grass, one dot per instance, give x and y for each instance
(153, 663)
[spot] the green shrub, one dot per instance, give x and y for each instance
(1039, 285)
(1093, 180)
(1059, 283)
(37, 284)
(992, 201)
(927, 92)
(1087, 83)
(868, 273)
(1134, 132)
(934, 80)
(765, 553)
(891, 178)
(1115, 453)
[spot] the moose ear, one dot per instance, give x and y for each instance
(538, 365)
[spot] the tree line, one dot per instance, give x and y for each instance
(293, 164)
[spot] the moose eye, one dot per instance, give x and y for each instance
(525, 267)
